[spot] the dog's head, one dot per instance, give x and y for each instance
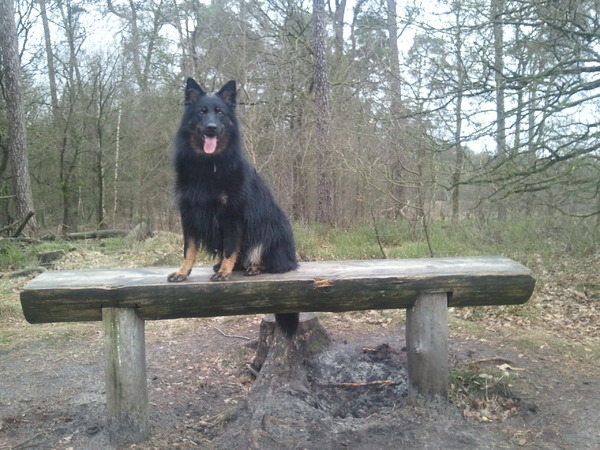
(210, 118)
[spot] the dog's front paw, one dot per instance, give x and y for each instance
(220, 276)
(177, 276)
(254, 270)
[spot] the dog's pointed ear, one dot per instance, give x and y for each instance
(193, 91)
(228, 92)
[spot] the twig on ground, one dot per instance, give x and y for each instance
(364, 384)
(230, 335)
(23, 444)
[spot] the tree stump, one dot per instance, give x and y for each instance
(281, 395)
(310, 338)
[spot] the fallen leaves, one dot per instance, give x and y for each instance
(566, 304)
(496, 409)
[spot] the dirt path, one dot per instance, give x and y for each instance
(52, 391)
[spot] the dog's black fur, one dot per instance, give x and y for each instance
(225, 205)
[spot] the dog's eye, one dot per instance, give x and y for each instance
(219, 111)
(203, 110)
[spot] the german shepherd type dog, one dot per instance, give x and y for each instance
(225, 205)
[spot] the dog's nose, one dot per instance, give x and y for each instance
(211, 127)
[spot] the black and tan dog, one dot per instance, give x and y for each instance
(225, 205)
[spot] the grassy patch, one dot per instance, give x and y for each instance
(13, 255)
(483, 390)
(541, 341)
(10, 307)
(474, 380)
(469, 327)
(6, 336)
(313, 243)
(65, 332)
(525, 240)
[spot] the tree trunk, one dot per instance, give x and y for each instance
(69, 222)
(497, 11)
(460, 81)
(116, 180)
(101, 203)
(394, 72)
(325, 211)
(101, 200)
(135, 47)
(70, 17)
(396, 133)
(282, 384)
(298, 174)
(16, 117)
(309, 329)
(338, 26)
(50, 60)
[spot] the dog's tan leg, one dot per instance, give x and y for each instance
(227, 265)
(188, 262)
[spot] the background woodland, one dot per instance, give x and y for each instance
(354, 112)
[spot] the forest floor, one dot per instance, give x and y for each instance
(522, 377)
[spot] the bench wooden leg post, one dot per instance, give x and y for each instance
(125, 373)
(427, 348)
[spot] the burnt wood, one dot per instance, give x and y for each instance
(80, 295)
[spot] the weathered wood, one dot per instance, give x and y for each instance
(23, 224)
(125, 374)
(80, 295)
(427, 348)
(309, 330)
(282, 384)
(97, 234)
(123, 298)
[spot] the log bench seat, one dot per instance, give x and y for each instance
(123, 299)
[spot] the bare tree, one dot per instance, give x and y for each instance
(102, 95)
(396, 133)
(50, 59)
(458, 113)
(145, 21)
(325, 207)
(497, 11)
(70, 146)
(16, 117)
(338, 26)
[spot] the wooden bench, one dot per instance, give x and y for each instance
(124, 298)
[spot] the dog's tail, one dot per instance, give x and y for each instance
(288, 323)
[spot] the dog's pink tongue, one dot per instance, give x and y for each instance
(210, 144)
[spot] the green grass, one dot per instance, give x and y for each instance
(540, 340)
(13, 255)
(521, 240)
